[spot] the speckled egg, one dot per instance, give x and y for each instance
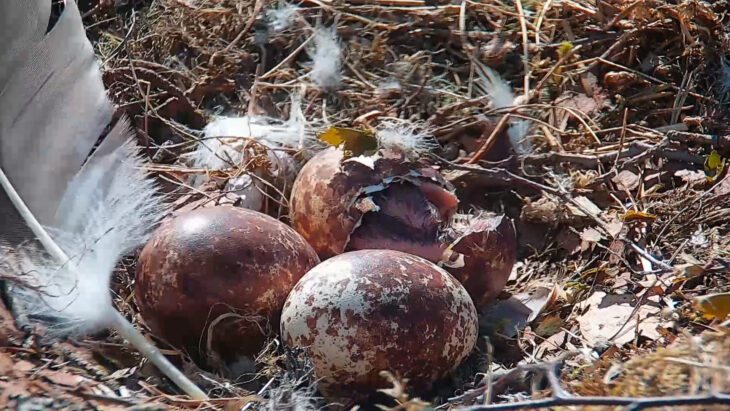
(227, 267)
(368, 311)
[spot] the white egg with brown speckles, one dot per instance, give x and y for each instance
(368, 311)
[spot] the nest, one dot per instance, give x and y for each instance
(623, 102)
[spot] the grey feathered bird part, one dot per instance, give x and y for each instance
(85, 208)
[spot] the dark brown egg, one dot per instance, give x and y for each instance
(366, 311)
(222, 267)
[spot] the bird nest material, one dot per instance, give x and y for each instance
(617, 183)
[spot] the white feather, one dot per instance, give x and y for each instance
(281, 17)
(491, 84)
(518, 137)
(105, 213)
(223, 146)
(404, 135)
(326, 58)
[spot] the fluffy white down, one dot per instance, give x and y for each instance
(280, 18)
(405, 136)
(326, 58)
(222, 145)
(105, 213)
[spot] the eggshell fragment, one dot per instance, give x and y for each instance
(485, 250)
(366, 311)
(205, 264)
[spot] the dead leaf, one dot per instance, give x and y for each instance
(582, 102)
(549, 326)
(64, 378)
(632, 215)
(626, 180)
(687, 271)
(617, 247)
(691, 177)
(618, 79)
(589, 237)
(585, 204)
(354, 142)
(614, 227)
(612, 318)
(568, 241)
(713, 305)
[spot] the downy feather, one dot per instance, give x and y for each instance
(280, 18)
(221, 149)
(326, 58)
(404, 135)
(107, 210)
(492, 85)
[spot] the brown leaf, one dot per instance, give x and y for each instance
(64, 378)
(613, 318)
(626, 180)
(589, 237)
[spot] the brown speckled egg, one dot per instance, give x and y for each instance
(206, 263)
(365, 311)
(383, 201)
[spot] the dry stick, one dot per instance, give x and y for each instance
(540, 18)
(525, 50)
(550, 72)
(288, 58)
(684, 210)
(629, 402)
(501, 382)
(499, 175)
(491, 139)
(681, 97)
(562, 398)
(654, 79)
(623, 137)
(256, 10)
(625, 12)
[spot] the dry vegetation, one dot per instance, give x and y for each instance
(621, 228)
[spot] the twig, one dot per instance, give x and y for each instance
(490, 140)
(525, 50)
(499, 176)
(629, 402)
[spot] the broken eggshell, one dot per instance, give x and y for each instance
(332, 194)
(368, 311)
(203, 265)
(483, 252)
(386, 201)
